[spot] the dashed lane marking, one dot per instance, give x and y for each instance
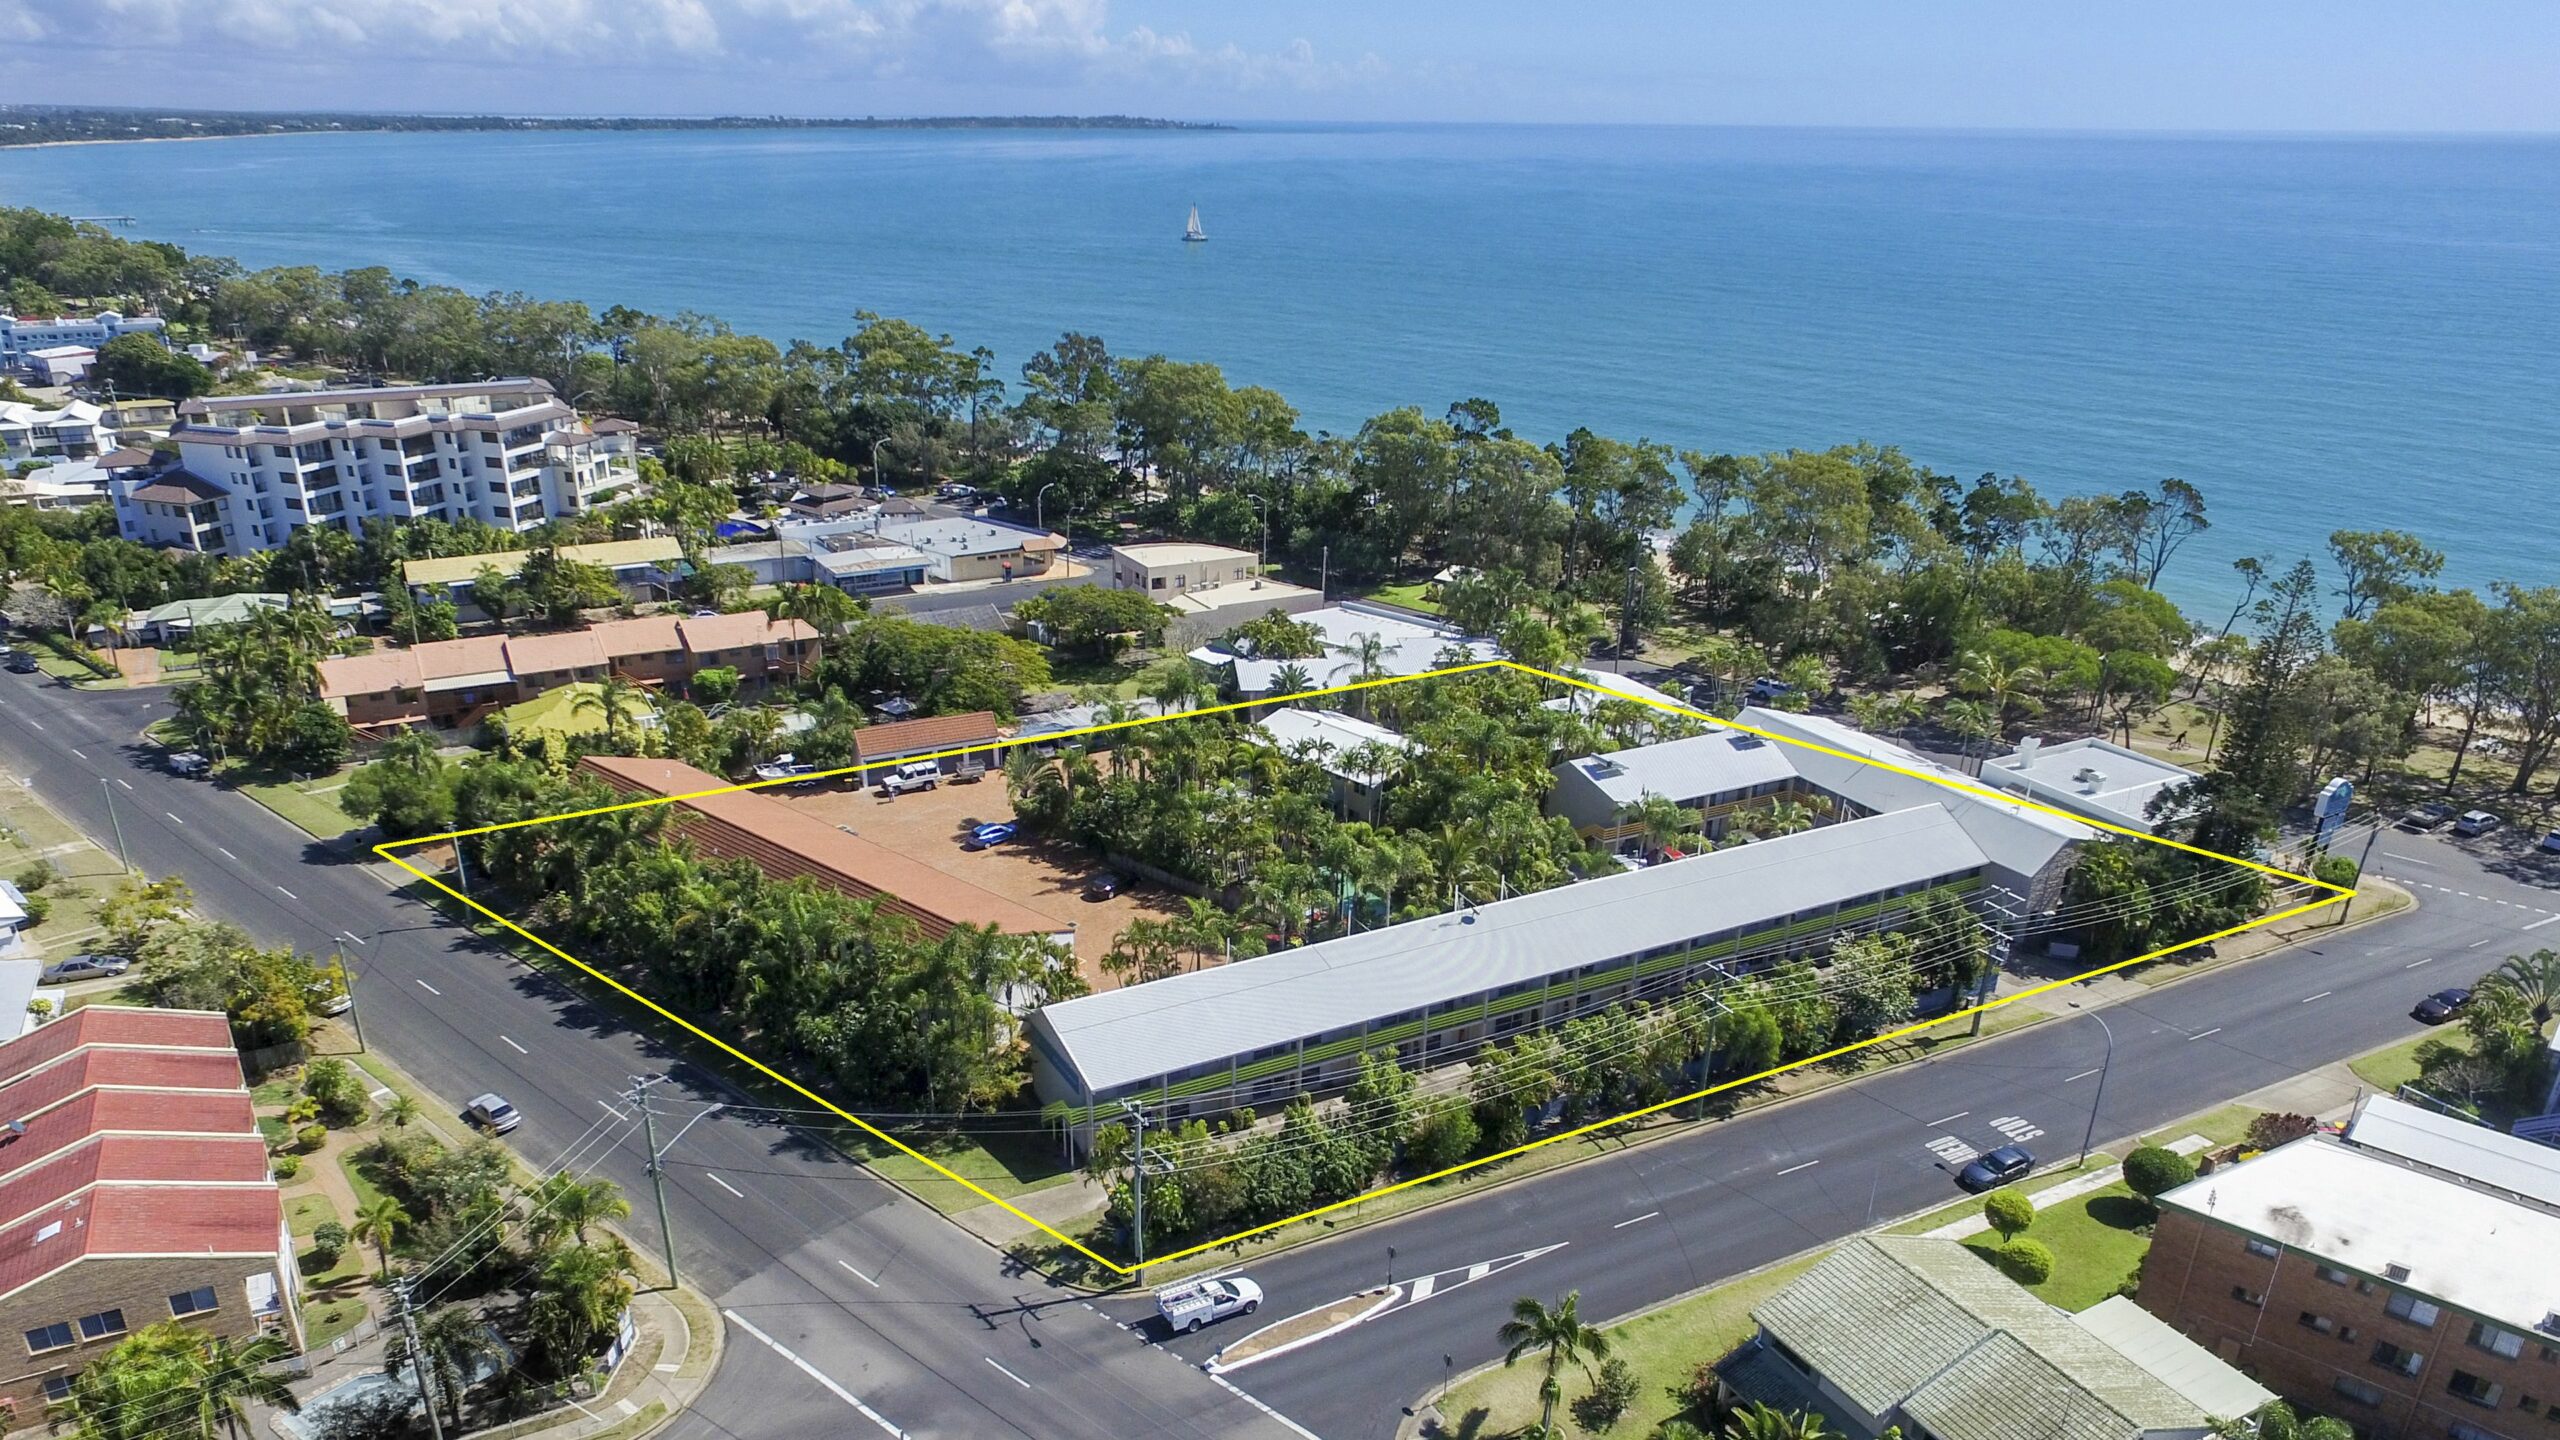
(173, 815)
(1809, 1164)
(1009, 1375)
(2538, 924)
(512, 1045)
(1301, 1431)
(227, 855)
(2323, 995)
(2414, 964)
(289, 895)
(1638, 1220)
(2083, 1075)
(725, 1185)
(76, 750)
(430, 989)
(874, 1284)
(1949, 1119)
(2216, 1030)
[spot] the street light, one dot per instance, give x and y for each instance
(1261, 555)
(2090, 1136)
(1039, 505)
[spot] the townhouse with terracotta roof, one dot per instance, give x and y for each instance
(737, 824)
(454, 683)
(506, 452)
(134, 1188)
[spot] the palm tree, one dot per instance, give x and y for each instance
(401, 1110)
(236, 1375)
(1756, 1421)
(2005, 685)
(378, 1223)
(1561, 1336)
(618, 698)
(104, 614)
(452, 1340)
(2534, 978)
(578, 1298)
(1291, 679)
(1787, 817)
(564, 1204)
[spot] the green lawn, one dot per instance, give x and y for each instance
(326, 1320)
(2097, 1240)
(2388, 1070)
(359, 1175)
(310, 804)
(1411, 596)
(1955, 1210)
(307, 1212)
(1664, 1348)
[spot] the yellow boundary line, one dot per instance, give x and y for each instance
(386, 849)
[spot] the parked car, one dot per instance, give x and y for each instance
(2475, 822)
(2550, 842)
(989, 835)
(2427, 817)
(1766, 689)
(1103, 886)
(2443, 1005)
(20, 662)
(188, 762)
(492, 1113)
(1990, 1172)
(1189, 1306)
(914, 775)
(84, 967)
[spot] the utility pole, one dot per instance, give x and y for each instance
(1137, 1185)
(2361, 861)
(638, 1096)
(418, 1361)
(355, 1012)
(461, 871)
(109, 791)
(1324, 576)
(2011, 909)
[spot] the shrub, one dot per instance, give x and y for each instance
(38, 907)
(1612, 1391)
(2334, 870)
(301, 1110)
(333, 1086)
(2009, 1212)
(2027, 1261)
(285, 1166)
(311, 1137)
(2152, 1170)
(2271, 1130)
(328, 1241)
(37, 876)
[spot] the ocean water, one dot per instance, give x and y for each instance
(2321, 333)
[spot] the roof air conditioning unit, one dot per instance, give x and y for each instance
(2395, 1272)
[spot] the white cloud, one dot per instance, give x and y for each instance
(1007, 42)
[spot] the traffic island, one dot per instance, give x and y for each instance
(1303, 1329)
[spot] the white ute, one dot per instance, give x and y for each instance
(914, 775)
(1189, 1306)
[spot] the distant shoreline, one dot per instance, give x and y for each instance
(40, 126)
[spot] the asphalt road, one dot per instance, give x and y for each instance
(888, 1311)
(1641, 1225)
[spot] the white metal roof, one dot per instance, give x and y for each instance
(2492, 1158)
(2091, 776)
(1686, 769)
(1852, 763)
(2169, 1357)
(2368, 1213)
(1135, 1034)
(1332, 733)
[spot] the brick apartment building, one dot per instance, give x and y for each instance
(454, 683)
(2404, 1277)
(134, 1189)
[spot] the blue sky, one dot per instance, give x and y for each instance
(2353, 65)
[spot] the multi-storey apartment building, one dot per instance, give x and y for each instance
(22, 335)
(507, 452)
(72, 430)
(2404, 1277)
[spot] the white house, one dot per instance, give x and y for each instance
(60, 364)
(72, 430)
(2095, 778)
(21, 336)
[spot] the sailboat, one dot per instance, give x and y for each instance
(1192, 234)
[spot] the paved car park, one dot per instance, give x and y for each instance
(933, 826)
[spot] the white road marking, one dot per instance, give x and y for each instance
(76, 750)
(1950, 1150)
(430, 989)
(1951, 1119)
(2323, 995)
(2411, 859)
(2216, 1030)
(289, 895)
(838, 1391)
(351, 935)
(1301, 1431)
(725, 1185)
(37, 723)
(2538, 924)
(2414, 964)
(2018, 1128)
(124, 782)
(226, 854)
(512, 1045)
(1009, 1375)
(172, 815)
(1623, 1224)
(2476, 944)
(2083, 1075)
(1809, 1164)
(865, 1279)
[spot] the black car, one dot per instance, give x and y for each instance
(1102, 887)
(1990, 1172)
(2427, 817)
(2442, 1006)
(21, 662)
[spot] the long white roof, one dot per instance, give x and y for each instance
(2489, 1158)
(1123, 1036)
(1684, 769)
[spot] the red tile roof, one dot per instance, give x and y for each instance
(144, 1112)
(142, 1220)
(542, 654)
(924, 736)
(743, 824)
(114, 1025)
(93, 1066)
(132, 1159)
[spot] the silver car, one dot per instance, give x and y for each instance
(492, 1113)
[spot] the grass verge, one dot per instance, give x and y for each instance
(2390, 1068)
(310, 804)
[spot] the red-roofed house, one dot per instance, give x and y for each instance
(134, 1188)
(454, 682)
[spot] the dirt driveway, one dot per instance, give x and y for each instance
(928, 826)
